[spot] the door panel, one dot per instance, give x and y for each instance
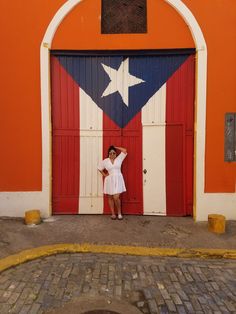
(179, 129)
(91, 141)
(154, 163)
(132, 199)
(175, 187)
(154, 122)
(129, 137)
(65, 142)
(154, 170)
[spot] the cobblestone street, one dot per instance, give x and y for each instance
(151, 284)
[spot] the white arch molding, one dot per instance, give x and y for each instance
(205, 203)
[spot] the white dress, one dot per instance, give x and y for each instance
(114, 183)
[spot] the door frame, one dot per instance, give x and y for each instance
(200, 198)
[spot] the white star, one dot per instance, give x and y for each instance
(121, 80)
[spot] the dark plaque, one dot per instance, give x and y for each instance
(230, 137)
(124, 16)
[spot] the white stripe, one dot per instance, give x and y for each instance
(91, 144)
(154, 181)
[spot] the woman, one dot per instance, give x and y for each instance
(114, 182)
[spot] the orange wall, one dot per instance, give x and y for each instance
(21, 31)
(218, 22)
(81, 30)
(23, 26)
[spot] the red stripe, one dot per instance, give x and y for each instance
(179, 140)
(131, 138)
(65, 143)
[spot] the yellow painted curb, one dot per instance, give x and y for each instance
(47, 250)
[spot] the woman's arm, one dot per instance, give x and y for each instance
(105, 174)
(122, 149)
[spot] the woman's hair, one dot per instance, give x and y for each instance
(111, 148)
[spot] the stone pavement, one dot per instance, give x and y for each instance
(151, 284)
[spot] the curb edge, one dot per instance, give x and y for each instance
(47, 250)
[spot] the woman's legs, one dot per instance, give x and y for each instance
(111, 205)
(116, 198)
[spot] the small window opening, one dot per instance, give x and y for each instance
(124, 16)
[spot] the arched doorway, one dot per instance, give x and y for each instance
(201, 84)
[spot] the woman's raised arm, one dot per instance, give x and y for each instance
(122, 149)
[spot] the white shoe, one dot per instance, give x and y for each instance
(120, 217)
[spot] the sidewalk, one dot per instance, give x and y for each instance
(146, 231)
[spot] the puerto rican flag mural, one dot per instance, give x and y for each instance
(143, 103)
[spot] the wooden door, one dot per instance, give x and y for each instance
(148, 108)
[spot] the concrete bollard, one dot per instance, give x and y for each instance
(32, 217)
(216, 223)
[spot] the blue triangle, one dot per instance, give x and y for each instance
(88, 72)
